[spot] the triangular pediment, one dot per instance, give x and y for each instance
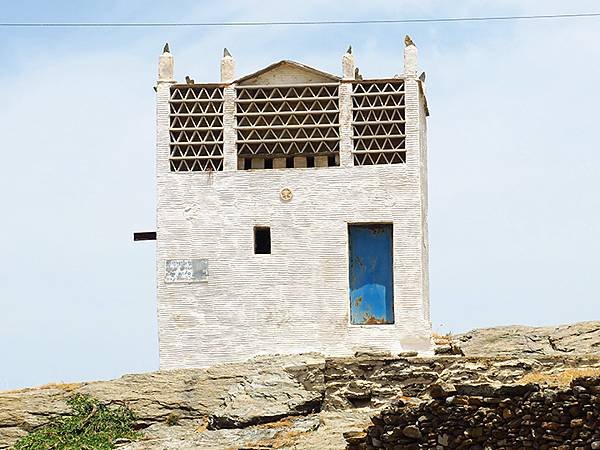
(286, 73)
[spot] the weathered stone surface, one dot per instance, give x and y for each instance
(372, 353)
(233, 404)
(441, 390)
(412, 432)
(355, 437)
(264, 396)
(450, 348)
(263, 389)
(578, 338)
(22, 411)
(316, 431)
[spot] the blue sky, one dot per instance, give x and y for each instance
(514, 206)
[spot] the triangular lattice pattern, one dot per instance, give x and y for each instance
(378, 122)
(196, 165)
(196, 128)
(287, 120)
(368, 159)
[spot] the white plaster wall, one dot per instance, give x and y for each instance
(424, 200)
(297, 298)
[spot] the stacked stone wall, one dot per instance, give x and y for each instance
(486, 416)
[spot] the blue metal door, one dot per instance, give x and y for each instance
(371, 274)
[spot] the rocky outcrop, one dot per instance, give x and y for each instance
(225, 396)
(308, 401)
(485, 416)
(304, 401)
(520, 341)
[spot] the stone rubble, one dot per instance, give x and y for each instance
(485, 416)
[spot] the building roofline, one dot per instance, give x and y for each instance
(291, 63)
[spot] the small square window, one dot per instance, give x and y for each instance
(262, 240)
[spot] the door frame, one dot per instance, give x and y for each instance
(392, 279)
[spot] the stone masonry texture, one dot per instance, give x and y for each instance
(483, 416)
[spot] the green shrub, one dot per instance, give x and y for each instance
(173, 419)
(91, 426)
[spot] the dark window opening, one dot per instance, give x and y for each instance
(247, 163)
(289, 162)
(262, 240)
(331, 161)
(268, 163)
(310, 161)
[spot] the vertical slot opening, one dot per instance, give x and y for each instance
(262, 240)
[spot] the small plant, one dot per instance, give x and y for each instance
(173, 419)
(91, 425)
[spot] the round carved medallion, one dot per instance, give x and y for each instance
(286, 194)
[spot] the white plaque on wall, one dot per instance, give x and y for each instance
(186, 270)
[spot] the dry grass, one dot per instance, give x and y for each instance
(442, 339)
(283, 439)
(285, 422)
(202, 426)
(65, 387)
(563, 378)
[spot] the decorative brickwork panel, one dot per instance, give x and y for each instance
(378, 122)
(196, 128)
(279, 121)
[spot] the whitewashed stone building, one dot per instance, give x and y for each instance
(291, 213)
